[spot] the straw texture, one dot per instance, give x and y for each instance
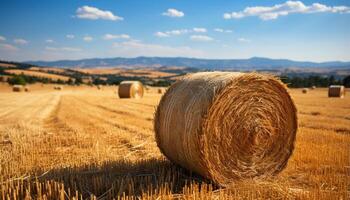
(130, 89)
(336, 91)
(227, 126)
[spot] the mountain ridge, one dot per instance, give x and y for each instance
(254, 63)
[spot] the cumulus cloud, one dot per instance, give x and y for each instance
(201, 38)
(220, 30)
(200, 30)
(171, 33)
(179, 32)
(112, 37)
(8, 47)
(87, 38)
(273, 12)
(20, 41)
(137, 48)
(92, 13)
(2, 38)
(171, 12)
(161, 34)
(243, 40)
(68, 49)
(70, 36)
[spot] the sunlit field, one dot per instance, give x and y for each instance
(82, 143)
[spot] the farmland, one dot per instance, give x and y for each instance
(82, 142)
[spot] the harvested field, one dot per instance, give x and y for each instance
(38, 74)
(85, 143)
(150, 73)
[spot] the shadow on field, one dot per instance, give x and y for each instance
(118, 178)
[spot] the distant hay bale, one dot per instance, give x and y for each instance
(3, 79)
(17, 88)
(99, 87)
(305, 90)
(26, 89)
(336, 91)
(313, 87)
(58, 87)
(160, 91)
(130, 89)
(227, 126)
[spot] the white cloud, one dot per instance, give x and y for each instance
(20, 41)
(112, 37)
(245, 40)
(220, 30)
(179, 32)
(87, 38)
(202, 38)
(171, 33)
(161, 34)
(88, 12)
(70, 36)
(68, 49)
(273, 12)
(137, 48)
(49, 41)
(2, 38)
(200, 30)
(171, 12)
(8, 47)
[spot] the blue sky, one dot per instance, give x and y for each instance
(76, 29)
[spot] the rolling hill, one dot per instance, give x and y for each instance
(255, 63)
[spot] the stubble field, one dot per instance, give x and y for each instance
(82, 143)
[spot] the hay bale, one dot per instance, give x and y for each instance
(227, 126)
(17, 88)
(336, 91)
(160, 91)
(58, 87)
(99, 87)
(304, 90)
(313, 87)
(3, 79)
(26, 89)
(130, 89)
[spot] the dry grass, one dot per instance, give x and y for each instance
(86, 143)
(47, 69)
(150, 73)
(38, 74)
(6, 65)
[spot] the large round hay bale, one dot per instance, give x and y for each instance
(26, 89)
(305, 90)
(313, 87)
(336, 91)
(227, 126)
(130, 89)
(17, 88)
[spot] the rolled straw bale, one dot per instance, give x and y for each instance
(160, 91)
(130, 89)
(58, 87)
(305, 90)
(227, 126)
(17, 88)
(313, 87)
(336, 91)
(26, 89)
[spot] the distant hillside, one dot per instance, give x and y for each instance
(254, 63)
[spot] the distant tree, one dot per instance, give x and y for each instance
(346, 81)
(17, 80)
